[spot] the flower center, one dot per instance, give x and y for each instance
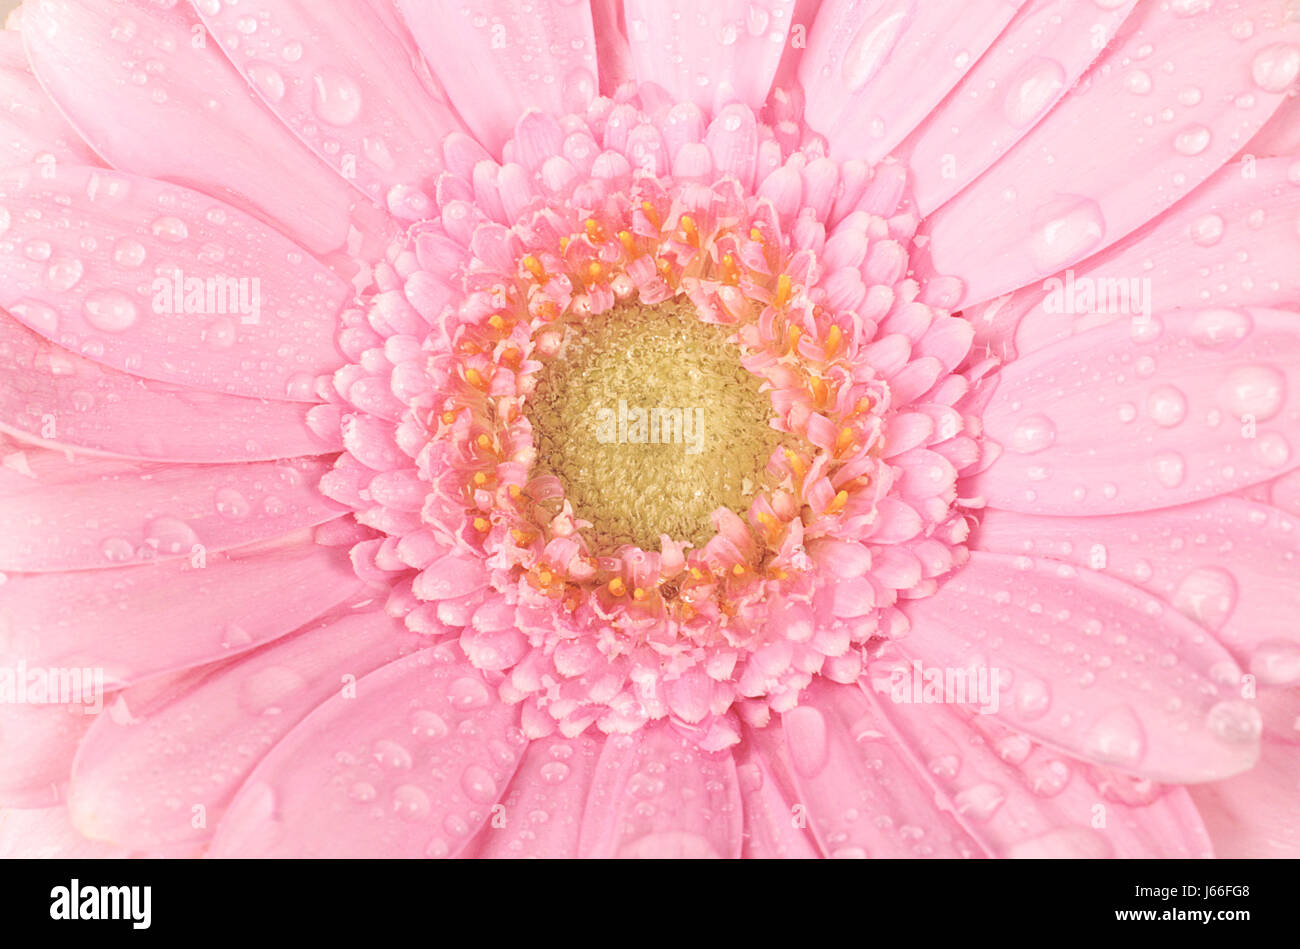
(651, 423)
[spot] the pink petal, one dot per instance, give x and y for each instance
(52, 396)
(611, 45)
(38, 741)
(30, 127)
(73, 513)
(873, 71)
(228, 719)
(543, 805)
(177, 287)
(711, 54)
(135, 622)
(1050, 201)
(1032, 64)
(497, 60)
(1092, 666)
(190, 118)
(775, 825)
(655, 794)
(1206, 400)
(1249, 599)
(378, 127)
(1038, 805)
(1254, 814)
(412, 766)
(859, 795)
(1231, 243)
(47, 833)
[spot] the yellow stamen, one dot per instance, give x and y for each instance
(482, 525)
(730, 272)
(782, 291)
(820, 390)
(617, 587)
(649, 210)
(833, 339)
(628, 241)
(475, 378)
(838, 503)
(594, 230)
(534, 267)
(689, 229)
(796, 463)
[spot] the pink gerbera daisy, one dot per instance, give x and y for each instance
(648, 428)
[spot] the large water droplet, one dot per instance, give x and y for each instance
(1207, 595)
(1065, 229)
(871, 46)
(1275, 67)
(1032, 91)
(336, 98)
(110, 311)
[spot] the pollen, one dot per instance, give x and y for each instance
(651, 423)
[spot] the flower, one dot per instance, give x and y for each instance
(650, 429)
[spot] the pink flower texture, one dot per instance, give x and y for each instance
(650, 428)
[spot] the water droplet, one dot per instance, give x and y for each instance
(1258, 391)
(478, 785)
(980, 801)
(871, 47)
(1207, 230)
(337, 99)
(1033, 89)
(1117, 737)
(128, 253)
(1235, 722)
(171, 229)
(1192, 140)
(1065, 229)
(65, 273)
(390, 754)
(265, 691)
(1170, 468)
(230, 503)
(110, 311)
(467, 693)
(1167, 406)
(1033, 434)
(1275, 67)
(267, 79)
(1207, 595)
(1213, 328)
